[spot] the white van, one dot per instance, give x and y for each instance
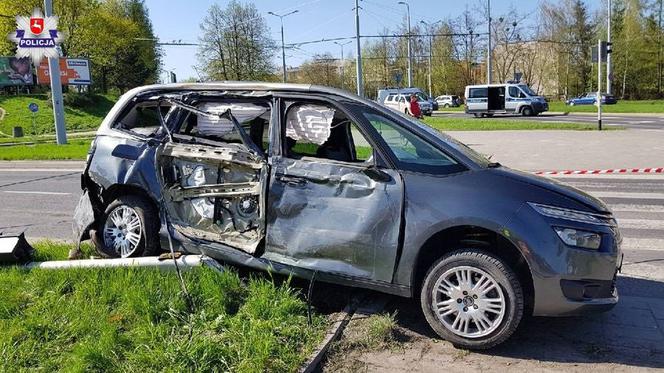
(487, 100)
(398, 98)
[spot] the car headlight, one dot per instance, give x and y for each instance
(567, 214)
(579, 238)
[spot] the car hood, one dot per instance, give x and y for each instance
(556, 187)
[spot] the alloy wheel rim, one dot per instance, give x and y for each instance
(468, 302)
(122, 230)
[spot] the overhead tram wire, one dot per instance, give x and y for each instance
(325, 40)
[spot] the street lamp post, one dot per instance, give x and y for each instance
(283, 48)
(56, 88)
(358, 51)
(430, 28)
(410, 66)
(488, 51)
(342, 60)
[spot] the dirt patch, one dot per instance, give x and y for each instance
(622, 340)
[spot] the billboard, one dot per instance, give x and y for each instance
(15, 71)
(73, 71)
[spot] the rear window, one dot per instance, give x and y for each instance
(142, 119)
(478, 92)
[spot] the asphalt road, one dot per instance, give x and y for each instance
(39, 198)
(655, 121)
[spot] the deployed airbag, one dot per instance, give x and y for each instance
(310, 123)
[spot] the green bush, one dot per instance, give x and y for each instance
(75, 100)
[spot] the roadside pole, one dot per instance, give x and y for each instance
(599, 84)
(609, 66)
(358, 51)
(56, 88)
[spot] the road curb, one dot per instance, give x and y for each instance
(332, 334)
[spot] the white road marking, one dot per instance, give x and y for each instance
(35, 192)
(620, 207)
(656, 244)
(41, 170)
(634, 195)
(641, 223)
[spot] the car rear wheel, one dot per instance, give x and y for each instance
(446, 106)
(129, 228)
(472, 299)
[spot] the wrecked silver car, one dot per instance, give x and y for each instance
(317, 182)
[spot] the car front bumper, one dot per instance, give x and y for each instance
(568, 280)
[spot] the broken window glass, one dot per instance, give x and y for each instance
(143, 118)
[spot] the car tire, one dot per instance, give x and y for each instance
(527, 111)
(494, 313)
(446, 106)
(129, 227)
(476, 115)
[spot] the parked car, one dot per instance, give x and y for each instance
(590, 98)
(398, 99)
(487, 100)
(313, 181)
(448, 101)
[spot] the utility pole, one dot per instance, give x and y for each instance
(660, 66)
(358, 56)
(488, 50)
(56, 88)
(609, 67)
(410, 57)
(283, 48)
(599, 84)
(430, 28)
(343, 62)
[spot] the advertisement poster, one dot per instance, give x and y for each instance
(73, 71)
(15, 71)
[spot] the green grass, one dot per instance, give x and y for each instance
(496, 124)
(75, 149)
(459, 108)
(126, 319)
(645, 106)
(17, 114)
(623, 106)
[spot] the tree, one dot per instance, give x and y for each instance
(104, 31)
(235, 43)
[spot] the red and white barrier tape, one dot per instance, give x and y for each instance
(658, 170)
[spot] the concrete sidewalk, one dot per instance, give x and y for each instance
(630, 337)
(556, 150)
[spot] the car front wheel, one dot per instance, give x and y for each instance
(472, 298)
(129, 228)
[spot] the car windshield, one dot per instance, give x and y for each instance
(421, 97)
(527, 90)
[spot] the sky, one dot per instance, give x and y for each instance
(315, 20)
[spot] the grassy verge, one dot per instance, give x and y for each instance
(645, 106)
(17, 114)
(137, 320)
(75, 149)
(495, 124)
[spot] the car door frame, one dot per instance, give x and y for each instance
(214, 152)
(382, 161)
